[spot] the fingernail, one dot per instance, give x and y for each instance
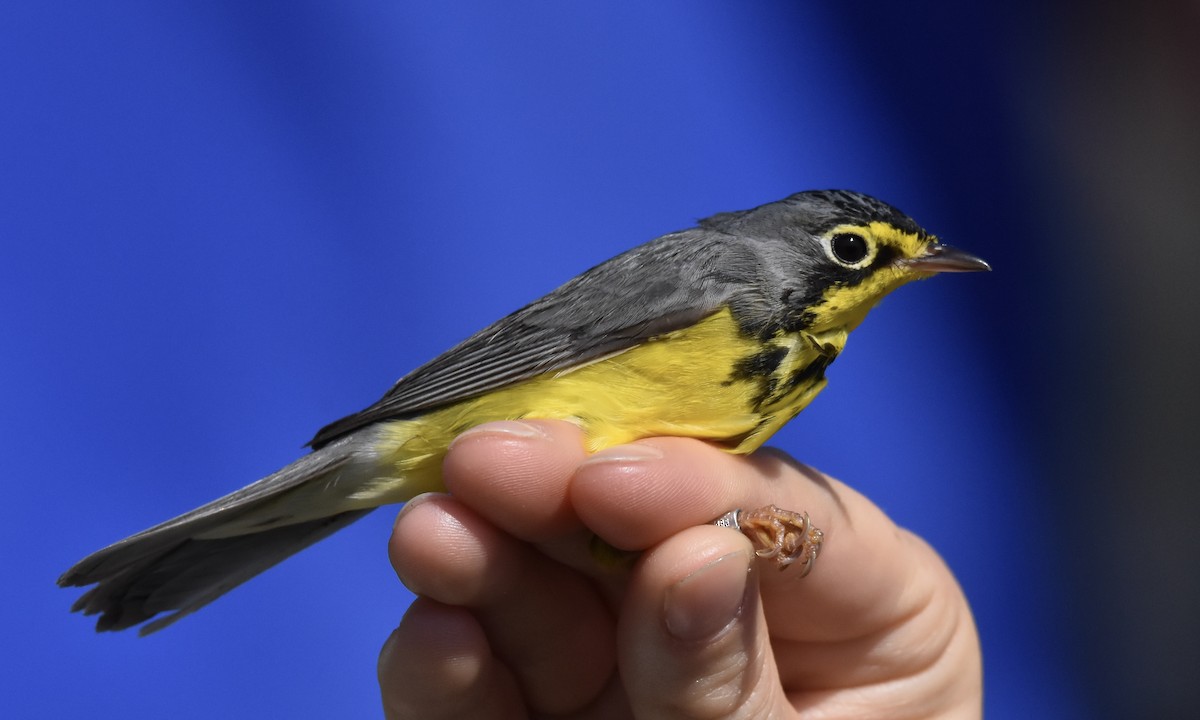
(516, 428)
(708, 600)
(625, 454)
(413, 502)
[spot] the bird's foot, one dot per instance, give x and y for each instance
(788, 537)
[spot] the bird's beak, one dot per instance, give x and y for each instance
(940, 258)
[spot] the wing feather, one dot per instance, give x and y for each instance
(662, 286)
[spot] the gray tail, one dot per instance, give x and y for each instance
(170, 568)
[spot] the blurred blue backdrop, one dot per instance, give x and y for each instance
(225, 224)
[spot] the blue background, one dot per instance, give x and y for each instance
(225, 224)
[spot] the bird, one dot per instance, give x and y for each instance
(722, 332)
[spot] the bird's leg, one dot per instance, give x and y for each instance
(786, 536)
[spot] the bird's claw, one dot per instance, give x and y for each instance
(788, 537)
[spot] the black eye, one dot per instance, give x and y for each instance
(849, 248)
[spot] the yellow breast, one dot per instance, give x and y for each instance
(706, 381)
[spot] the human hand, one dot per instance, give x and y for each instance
(515, 618)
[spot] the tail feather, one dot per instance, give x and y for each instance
(179, 566)
(193, 573)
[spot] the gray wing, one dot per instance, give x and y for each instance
(664, 285)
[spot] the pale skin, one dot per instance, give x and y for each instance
(515, 618)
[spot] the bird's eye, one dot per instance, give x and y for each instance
(848, 248)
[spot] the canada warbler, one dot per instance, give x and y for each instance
(721, 332)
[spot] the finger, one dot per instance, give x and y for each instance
(534, 611)
(516, 474)
(693, 641)
(635, 496)
(437, 664)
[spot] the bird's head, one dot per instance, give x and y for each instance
(858, 249)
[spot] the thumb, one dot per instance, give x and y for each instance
(692, 638)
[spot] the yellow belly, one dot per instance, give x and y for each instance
(683, 384)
